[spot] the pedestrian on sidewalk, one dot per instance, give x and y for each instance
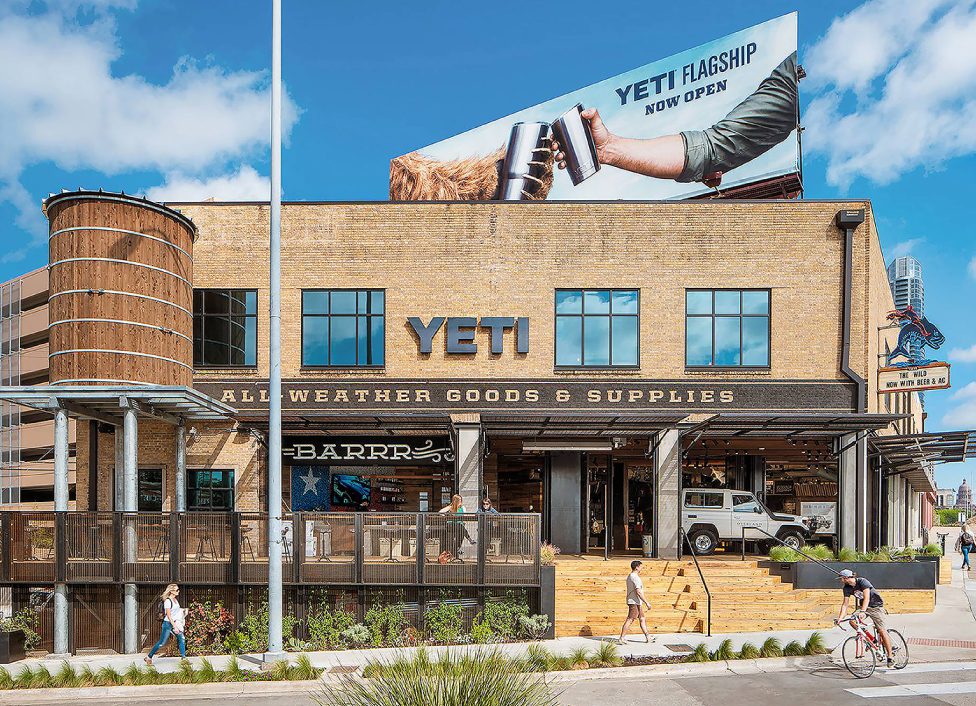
(173, 622)
(635, 603)
(965, 543)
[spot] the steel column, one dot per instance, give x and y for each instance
(130, 503)
(180, 475)
(61, 505)
(275, 637)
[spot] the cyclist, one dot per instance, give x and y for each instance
(871, 603)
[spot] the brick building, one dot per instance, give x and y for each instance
(586, 360)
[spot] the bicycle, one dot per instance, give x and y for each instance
(862, 650)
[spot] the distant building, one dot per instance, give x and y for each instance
(905, 279)
(964, 499)
(945, 497)
(27, 435)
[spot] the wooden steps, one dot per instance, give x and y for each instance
(590, 597)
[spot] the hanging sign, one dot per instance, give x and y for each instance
(379, 451)
(934, 376)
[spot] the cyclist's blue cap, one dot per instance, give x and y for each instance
(845, 574)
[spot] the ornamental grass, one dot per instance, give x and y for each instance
(468, 678)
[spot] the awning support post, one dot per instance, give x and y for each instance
(130, 500)
(61, 505)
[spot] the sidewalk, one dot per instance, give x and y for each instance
(953, 619)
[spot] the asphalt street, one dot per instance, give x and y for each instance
(828, 684)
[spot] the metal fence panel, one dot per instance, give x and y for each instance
(389, 548)
(451, 544)
(32, 546)
(512, 552)
(205, 547)
(150, 534)
(90, 546)
(330, 548)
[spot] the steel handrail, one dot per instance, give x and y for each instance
(701, 575)
(777, 539)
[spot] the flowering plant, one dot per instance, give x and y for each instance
(207, 626)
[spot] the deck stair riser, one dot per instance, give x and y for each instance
(590, 598)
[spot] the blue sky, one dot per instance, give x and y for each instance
(169, 98)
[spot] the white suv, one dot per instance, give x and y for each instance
(712, 516)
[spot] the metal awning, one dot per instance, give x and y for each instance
(104, 403)
(914, 455)
(745, 424)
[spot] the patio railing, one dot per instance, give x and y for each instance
(330, 548)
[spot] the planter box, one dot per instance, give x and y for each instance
(11, 646)
(547, 597)
(902, 575)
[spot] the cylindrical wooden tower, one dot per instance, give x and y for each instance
(121, 292)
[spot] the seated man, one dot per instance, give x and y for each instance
(871, 603)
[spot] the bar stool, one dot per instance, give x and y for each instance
(206, 546)
(246, 542)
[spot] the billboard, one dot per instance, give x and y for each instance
(725, 112)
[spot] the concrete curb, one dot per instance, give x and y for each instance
(166, 692)
(171, 692)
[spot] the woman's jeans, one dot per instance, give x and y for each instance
(167, 629)
(965, 556)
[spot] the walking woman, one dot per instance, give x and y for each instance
(173, 622)
(965, 544)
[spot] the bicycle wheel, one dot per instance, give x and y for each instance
(899, 648)
(858, 657)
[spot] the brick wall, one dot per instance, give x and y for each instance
(473, 259)
(217, 447)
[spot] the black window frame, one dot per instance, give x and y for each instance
(769, 328)
(162, 488)
(582, 315)
(346, 366)
(229, 316)
(194, 507)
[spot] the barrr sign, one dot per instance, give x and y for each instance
(934, 376)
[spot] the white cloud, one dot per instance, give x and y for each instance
(61, 104)
(963, 355)
(963, 415)
(244, 185)
(911, 65)
(905, 247)
(972, 267)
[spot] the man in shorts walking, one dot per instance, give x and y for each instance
(870, 602)
(635, 603)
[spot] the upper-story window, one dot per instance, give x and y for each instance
(727, 328)
(597, 327)
(225, 327)
(343, 327)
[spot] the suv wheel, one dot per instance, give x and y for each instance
(794, 540)
(704, 542)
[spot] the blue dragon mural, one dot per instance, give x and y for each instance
(916, 331)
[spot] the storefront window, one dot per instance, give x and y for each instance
(225, 327)
(343, 327)
(150, 490)
(597, 327)
(211, 490)
(727, 327)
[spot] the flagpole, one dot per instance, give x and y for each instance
(275, 641)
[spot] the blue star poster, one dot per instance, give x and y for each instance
(310, 488)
